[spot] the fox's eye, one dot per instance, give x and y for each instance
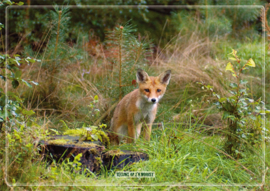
(158, 90)
(147, 90)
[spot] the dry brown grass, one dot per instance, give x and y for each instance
(189, 58)
(68, 96)
(191, 61)
(74, 87)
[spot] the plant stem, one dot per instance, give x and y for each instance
(206, 10)
(3, 45)
(137, 58)
(58, 29)
(120, 62)
(56, 43)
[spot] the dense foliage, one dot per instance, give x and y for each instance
(152, 20)
(243, 114)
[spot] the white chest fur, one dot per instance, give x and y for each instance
(145, 111)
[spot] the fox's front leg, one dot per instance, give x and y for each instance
(148, 129)
(131, 132)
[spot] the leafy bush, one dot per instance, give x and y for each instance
(220, 22)
(218, 26)
(21, 128)
(11, 73)
(242, 113)
(19, 125)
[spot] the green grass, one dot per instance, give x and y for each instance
(193, 158)
(178, 156)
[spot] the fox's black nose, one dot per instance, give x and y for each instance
(153, 100)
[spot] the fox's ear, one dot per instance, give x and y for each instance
(141, 76)
(165, 77)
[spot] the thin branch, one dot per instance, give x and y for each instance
(120, 61)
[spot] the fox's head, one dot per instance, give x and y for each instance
(152, 88)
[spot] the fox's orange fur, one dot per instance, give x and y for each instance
(138, 107)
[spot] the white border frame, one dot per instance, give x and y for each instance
(142, 6)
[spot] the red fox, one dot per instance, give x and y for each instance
(139, 106)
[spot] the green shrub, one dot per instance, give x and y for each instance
(242, 113)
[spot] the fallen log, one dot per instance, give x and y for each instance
(94, 155)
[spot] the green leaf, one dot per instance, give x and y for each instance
(12, 62)
(243, 91)
(222, 99)
(232, 117)
(29, 145)
(14, 113)
(243, 82)
(231, 58)
(95, 137)
(253, 117)
(9, 2)
(225, 115)
(30, 59)
(234, 52)
(251, 100)
(230, 68)
(14, 96)
(93, 127)
(3, 77)
(233, 85)
(232, 92)
(20, 3)
(17, 58)
(18, 63)
(216, 103)
(218, 96)
(103, 125)
(15, 83)
(78, 157)
(258, 107)
(1, 27)
(35, 83)
(243, 102)
(27, 83)
(250, 63)
(18, 74)
(28, 112)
